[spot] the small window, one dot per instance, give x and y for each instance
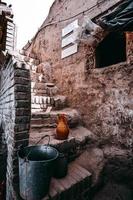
(111, 50)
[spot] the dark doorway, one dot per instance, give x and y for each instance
(111, 50)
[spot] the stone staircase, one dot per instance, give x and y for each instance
(76, 185)
(46, 105)
(49, 120)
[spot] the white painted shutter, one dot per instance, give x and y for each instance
(10, 36)
(68, 38)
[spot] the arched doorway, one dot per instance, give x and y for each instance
(111, 50)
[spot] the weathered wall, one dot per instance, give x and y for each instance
(103, 96)
(14, 116)
(105, 102)
(129, 36)
(46, 46)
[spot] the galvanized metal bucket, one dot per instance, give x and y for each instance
(36, 166)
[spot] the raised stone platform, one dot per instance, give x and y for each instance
(79, 139)
(75, 186)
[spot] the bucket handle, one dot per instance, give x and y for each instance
(43, 138)
(26, 157)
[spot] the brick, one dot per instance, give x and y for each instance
(22, 96)
(21, 127)
(22, 88)
(21, 73)
(22, 112)
(21, 135)
(22, 81)
(23, 142)
(22, 104)
(22, 119)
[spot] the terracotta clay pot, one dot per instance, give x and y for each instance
(62, 130)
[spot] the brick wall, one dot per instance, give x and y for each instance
(15, 106)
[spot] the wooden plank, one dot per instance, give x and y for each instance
(69, 51)
(9, 19)
(9, 34)
(10, 24)
(68, 40)
(9, 48)
(9, 39)
(10, 31)
(11, 44)
(69, 28)
(10, 27)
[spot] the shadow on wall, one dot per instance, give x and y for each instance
(3, 164)
(117, 178)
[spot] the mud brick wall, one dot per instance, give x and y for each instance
(15, 103)
(103, 95)
(129, 36)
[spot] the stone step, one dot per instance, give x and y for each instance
(60, 102)
(77, 181)
(32, 62)
(42, 119)
(78, 140)
(40, 102)
(41, 87)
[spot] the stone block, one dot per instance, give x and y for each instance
(92, 160)
(59, 102)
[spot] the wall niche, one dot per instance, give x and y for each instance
(111, 50)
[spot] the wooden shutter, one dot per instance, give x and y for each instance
(68, 38)
(10, 36)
